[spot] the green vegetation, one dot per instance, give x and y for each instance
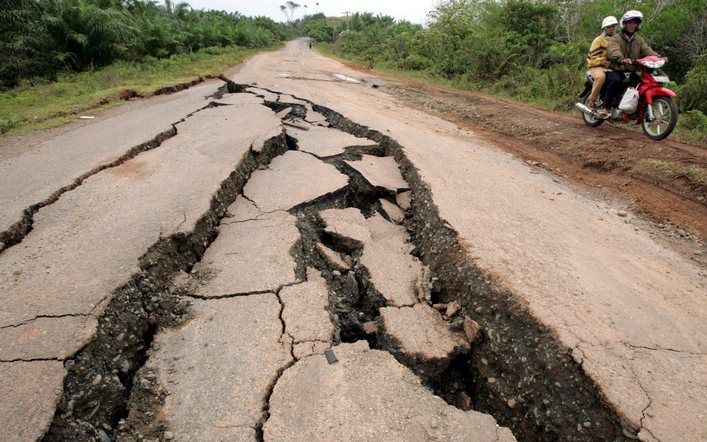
(44, 38)
(533, 51)
(60, 58)
(51, 103)
(694, 175)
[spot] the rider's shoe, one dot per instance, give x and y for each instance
(603, 113)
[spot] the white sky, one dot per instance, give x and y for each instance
(412, 10)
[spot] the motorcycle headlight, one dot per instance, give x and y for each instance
(654, 64)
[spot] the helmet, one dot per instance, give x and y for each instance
(632, 15)
(609, 21)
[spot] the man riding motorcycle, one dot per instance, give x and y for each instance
(623, 48)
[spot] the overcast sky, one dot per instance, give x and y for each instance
(411, 10)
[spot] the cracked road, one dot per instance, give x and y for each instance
(177, 271)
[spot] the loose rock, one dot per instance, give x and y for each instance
(392, 211)
(332, 258)
(404, 200)
(452, 309)
(471, 328)
(346, 226)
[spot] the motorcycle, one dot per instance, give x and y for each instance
(657, 112)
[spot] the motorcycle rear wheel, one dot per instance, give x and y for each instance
(588, 119)
(665, 113)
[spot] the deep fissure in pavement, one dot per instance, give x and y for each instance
(517, 371)
(354, 300)
(100, 377)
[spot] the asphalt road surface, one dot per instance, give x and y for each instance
(296, 255)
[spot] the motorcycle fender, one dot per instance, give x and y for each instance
(657, 92)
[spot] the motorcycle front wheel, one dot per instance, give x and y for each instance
(665, 117)
(588, 119)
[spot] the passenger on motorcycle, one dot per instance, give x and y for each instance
(624, 47)
(598, 62)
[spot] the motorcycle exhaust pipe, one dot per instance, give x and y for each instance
(585, 109)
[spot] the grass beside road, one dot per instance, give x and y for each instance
(691, 127)
(43, 105)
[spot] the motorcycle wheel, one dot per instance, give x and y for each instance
(665, 113)
(588, 119)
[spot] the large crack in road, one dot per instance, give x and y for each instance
(322, 237)
(511, 368)
(97, 152)
(193, 287)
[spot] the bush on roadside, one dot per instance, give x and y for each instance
(692, 94)
(319, 30)
(41, 38)
(530, 50)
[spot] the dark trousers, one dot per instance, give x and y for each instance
(615, 86)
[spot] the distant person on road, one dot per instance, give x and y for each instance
(598, 63)
(624, 47)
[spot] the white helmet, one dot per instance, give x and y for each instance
(609, 21)
(632, 15)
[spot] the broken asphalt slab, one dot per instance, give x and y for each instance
(29, 392)
(381, 172)
(347, 227)
(59, 161)
(394, 272)
(421, 338)
(87, 244)
(305, 311)
(367, 395)
(326, 142)
(298, 178)
(249, 256)
(217, 368)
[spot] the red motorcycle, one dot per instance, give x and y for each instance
(656, 112)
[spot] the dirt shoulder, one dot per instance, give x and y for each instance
(664, 181)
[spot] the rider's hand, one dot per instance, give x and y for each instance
(627, 61)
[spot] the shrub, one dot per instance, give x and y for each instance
(693, 92)
(694, 120)
(319, 30)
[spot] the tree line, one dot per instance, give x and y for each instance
(41, 38)
(534, 50)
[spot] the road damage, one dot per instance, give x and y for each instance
(184, 329)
